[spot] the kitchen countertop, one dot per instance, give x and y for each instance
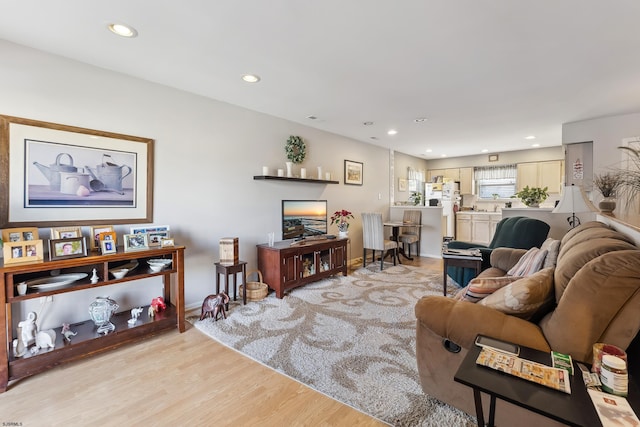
(480, 212)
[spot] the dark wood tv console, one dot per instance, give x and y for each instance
(289, 264)
(87, 341)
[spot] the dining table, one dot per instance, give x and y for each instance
(395, 234)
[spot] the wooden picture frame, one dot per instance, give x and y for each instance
(23, 251)
(66, 232)
(74, 247)
(136, 242)
(94, 239)
(35, 155)
(165, 243)
(19, 234)
(155, 232)
(353, 172)
(108, 247)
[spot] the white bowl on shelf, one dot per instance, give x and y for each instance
(119, 274)
(161, 261)
(156, 267)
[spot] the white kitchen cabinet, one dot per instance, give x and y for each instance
(480, 229)
(463, 227)
(541, 174)
(493, 222)
(466, 181)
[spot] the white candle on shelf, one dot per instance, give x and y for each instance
(265, 170)
(327, 176)
(319, 172)
(303, 172)
(280, 172)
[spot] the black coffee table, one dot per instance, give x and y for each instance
(575, 409)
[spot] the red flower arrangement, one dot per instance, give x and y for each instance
(340, 219)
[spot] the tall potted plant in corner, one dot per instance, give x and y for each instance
(532, 197)
(608, 183)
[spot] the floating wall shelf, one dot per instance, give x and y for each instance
(284, 178)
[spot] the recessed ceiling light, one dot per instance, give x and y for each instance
(367, 123)
(420, 119)
(535, 145)
(312, 117)
(485, 151)
(443, 155)
(429, 150)
(123, 30)
(530, 137)
(373, 137)
(392, 132)
(251, 78)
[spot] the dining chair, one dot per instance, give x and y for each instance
(410, 235)
(373, 239)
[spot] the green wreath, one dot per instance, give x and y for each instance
(295, 149)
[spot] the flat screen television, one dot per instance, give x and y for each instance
(303, 218)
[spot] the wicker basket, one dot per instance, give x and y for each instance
(255, 290)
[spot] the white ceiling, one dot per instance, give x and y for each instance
(486, 73)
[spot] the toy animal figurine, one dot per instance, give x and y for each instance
(67, 333)
(45, 339)
(135, 313)
(151, 312)
(214, 305)
(158, 304)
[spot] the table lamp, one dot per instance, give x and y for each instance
(573, 200)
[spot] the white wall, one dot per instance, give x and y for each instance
(206, 154)
(607, 134)
(401, 164)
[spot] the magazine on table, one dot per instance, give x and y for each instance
(613, 410)
(464, 253)
(547, 376)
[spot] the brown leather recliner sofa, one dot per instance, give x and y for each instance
(597, 299)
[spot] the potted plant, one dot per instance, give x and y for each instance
(416, 198)
(532, 197)
(608, 183)
(340, 218)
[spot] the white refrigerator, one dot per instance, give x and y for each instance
(450, 205)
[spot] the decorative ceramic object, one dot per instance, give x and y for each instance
(135, 313)
(67, 333)
(22, 288)
(289, 169)
(46, 339)
(319, 172)
(101, 311)
(94, 277)
(608, 204)
(343, 234)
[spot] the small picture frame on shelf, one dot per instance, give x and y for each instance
(74, 247)
(108, 235)
(95, 235)
(65, 232)
(19, 234)
(165, 243)
(23, 251)
(108, 247)
(155, 232)
(136, 242)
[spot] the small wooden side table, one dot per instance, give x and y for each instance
(233, 270)
(459, 259)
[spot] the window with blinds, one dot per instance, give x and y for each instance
(495, 180)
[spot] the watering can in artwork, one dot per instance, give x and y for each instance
(52, 172)
(111, 174)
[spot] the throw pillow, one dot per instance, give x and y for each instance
(480, 287)
(525, 297)
(552, 246)
(529, 263)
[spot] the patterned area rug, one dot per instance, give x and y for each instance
(351, 338)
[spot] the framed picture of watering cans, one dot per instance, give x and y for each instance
(105, 177)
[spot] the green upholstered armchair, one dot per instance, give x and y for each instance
(517, 232)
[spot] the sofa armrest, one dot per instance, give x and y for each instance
(461, 321)
(505, 258)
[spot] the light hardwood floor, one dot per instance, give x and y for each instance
(173, 379)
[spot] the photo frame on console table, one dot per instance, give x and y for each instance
(43, 174)
(353, 172)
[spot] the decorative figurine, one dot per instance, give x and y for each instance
(151, 312)
(101, 311)
(67, 333)
(94, 277)
(135, 313)
(28, 330)
(214, 305)
(158, 304)
(45, 339)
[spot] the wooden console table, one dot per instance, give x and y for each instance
(87, 341)
(288, 264)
